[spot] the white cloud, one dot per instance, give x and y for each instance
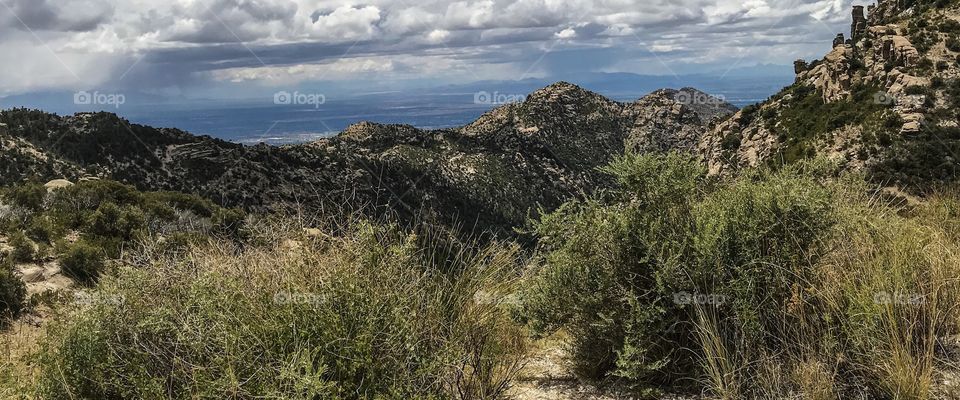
(347, 23)
(568, 33)
(438, 36)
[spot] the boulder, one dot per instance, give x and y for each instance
(57, 184)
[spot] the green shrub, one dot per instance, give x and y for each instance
(229, 222)
(113, 221)
(181, 201)
(24, 250)
(365, 316)
(12, 291)
(953, 43)
(83, 262)
(755, 241)
(620, 276)
(43, 229)
(598, 277)
(29, 196)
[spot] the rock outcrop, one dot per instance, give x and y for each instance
(859, 25)
(882, 80)
(832, 76)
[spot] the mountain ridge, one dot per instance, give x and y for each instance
(495, 171)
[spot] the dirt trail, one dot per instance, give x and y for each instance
(547, 377)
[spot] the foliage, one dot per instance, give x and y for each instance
(29, 196)
(923, 160)
(12, 291)
(83, 262)
(765, 271)
(370, 314)
(24, 250)
(110, 215)
(806, 117)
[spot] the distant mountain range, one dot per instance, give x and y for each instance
(254, 118)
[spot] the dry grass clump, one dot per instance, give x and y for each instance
(371, 313)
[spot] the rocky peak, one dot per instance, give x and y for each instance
(859, 25)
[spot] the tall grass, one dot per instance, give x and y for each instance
(371, 313)
(892, 282)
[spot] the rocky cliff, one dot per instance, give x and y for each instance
(883, 101)
(494, 172)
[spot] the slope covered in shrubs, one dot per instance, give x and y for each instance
(102, 218)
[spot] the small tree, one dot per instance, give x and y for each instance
(83, 262)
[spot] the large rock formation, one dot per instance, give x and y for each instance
(882, 87)
(832, 75)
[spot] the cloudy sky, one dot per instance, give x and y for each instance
(193, 46)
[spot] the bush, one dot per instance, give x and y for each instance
(599, 275)
(953, 43)
(367, 315)
(229, 223)
(12, 291)
(24, 250)
(619, 276)
(43, 229)
(29, 196)
(763, 281)
(83, 262)
(113, 221)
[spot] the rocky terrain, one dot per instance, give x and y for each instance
(492, 172)
(883, 100)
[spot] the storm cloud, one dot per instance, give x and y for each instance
(180, 44)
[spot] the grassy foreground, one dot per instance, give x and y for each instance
(374, 313)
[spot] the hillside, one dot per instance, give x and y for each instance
(883, 101)
(492, 172)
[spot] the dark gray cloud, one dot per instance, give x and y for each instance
(39, 15)
(195, 43)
